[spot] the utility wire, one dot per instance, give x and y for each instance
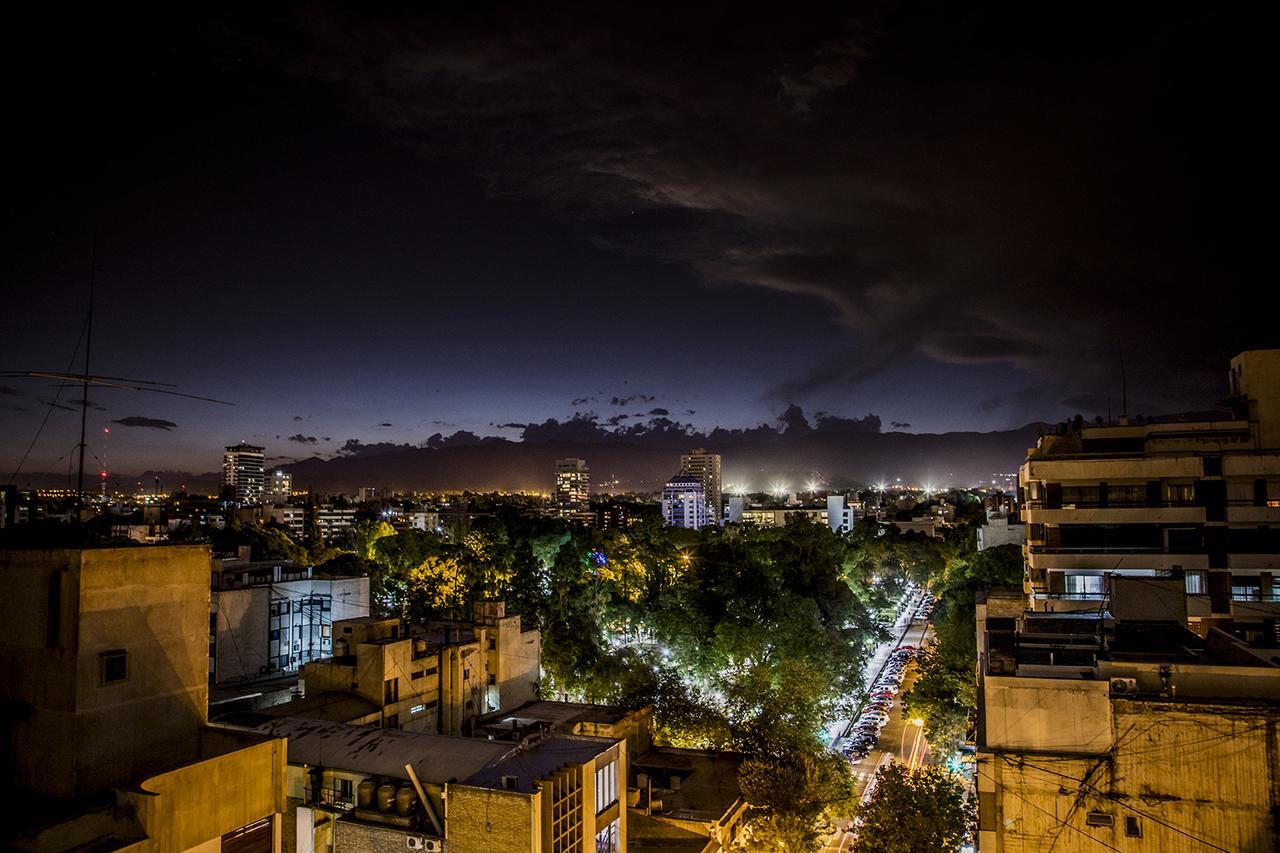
(53, 404)
(1057, 819)
(1116, 799)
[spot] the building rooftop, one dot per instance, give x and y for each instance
(435, 759)
(333, 706)
(556, 715)
(708, 781)
(524, 766)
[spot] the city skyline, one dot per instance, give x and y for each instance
(371, 230)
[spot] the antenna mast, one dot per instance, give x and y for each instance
(84, 399)
(1124, 389)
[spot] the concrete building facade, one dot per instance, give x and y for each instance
(271, 618)
(572, 486)
(999, 530)
(440, 678)
(107, 744)
(1121, 729)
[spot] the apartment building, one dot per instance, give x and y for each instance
(105, 740)
(1001, 528)
(572, 487)
(269, 618)
(1121, 729)
(1198, 500)
(356, 788)
(333, 521)
(684, 502)
(438, 678)
(242, 472)
(706, 467)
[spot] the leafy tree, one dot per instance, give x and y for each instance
(789, 790)
(920, 811)
(437, 584)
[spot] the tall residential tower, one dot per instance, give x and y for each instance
(706, 467)
(242, 466)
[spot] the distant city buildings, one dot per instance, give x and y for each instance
(366, 494)
(572, 486)
(242, 472)
(684, 502)
(843, 514)
(706, 467)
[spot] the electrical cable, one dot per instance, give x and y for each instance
(53, 404)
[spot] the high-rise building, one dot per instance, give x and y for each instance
(706, 467)
(242, 467)
(279, 486)
(1199, 500)
(573, 485)
(684, 502)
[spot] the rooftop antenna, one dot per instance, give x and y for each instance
(84, 385)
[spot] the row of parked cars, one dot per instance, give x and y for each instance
(865, 734)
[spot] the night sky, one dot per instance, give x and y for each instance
(381, 228)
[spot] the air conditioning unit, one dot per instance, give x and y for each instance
(419, 842)
(1124, 686)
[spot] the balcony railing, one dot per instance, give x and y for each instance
(1076, 596)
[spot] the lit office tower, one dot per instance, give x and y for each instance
(279, 486)
(573, 483)
(242, 471)
(706, 467)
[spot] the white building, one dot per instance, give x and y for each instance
(999, 531)
(242, 466)
(841, 515)
(733, 512)
(269, 618)
(684, 503)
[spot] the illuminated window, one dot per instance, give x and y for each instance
(607, 839)
(606, 786)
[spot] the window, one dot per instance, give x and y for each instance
(390, 691)
(493, 679)
(417, 709)
(493, 644)
(1197, 582)
(343, 787)
(1084, 584)
(606, 786)
(607, 839)
(326, 630)
(114, 666)
(1132, 827)
(1213, 466)
(415, 675)
(392, 721)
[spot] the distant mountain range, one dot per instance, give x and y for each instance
(839, 456)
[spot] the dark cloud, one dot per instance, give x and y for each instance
(899, 425)
(582, 401)
(384, 424)
(690, 412)
(972, 185)
(299, 438)
(634, 398)
(140, 421)
(297, 417)
(659, 411)
(82, 401)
